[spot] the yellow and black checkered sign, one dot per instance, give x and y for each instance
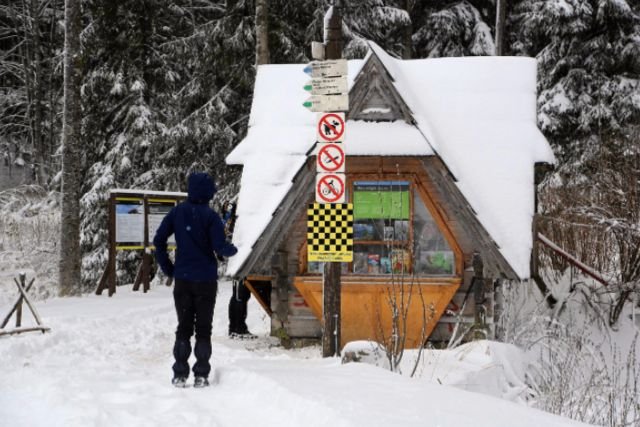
(330, 232)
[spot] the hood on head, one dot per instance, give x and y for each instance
(201, 188)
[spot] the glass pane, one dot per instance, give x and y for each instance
(381, 210)
(432, 253)
(380, 259)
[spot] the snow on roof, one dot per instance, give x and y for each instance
(477, 113)
(281, 132)
(372, 139)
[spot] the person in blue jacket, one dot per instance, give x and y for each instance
(200, 236)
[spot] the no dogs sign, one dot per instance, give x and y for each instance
(330, 127)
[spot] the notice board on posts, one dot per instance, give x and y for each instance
(133, 218)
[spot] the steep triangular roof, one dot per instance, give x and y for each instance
(373, 96)
(478, 114)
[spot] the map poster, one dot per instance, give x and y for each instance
(157, 210)
(129, 223)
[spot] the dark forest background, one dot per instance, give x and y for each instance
(167, 85)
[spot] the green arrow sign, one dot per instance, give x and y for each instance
(327, 103)
(327, 85)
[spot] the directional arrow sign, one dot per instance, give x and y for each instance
(327, 85)
(333, 68)
(320, 103)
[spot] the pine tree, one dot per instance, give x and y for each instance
(589, 70)
(30, 83)
(167, 92)
(458, 29)
(589, 78)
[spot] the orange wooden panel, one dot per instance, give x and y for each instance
(367, 305)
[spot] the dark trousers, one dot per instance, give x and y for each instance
(194, 306)
(238, 308)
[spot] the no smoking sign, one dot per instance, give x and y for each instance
(330, 188)
(330, 158)
(330, 127)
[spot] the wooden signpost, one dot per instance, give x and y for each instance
(329, 96)
(134, 217)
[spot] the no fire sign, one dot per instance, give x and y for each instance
(330, 158)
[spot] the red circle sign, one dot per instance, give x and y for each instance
(331, 127)
(330, 157)
(330, 188)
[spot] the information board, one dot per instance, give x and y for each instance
(129, 222)
(158, 209)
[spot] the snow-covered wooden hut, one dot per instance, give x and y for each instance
(453, 139)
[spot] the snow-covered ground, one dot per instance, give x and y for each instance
(107, 362)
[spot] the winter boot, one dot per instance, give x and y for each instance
(181, 353)
(202, 351)
(180, 382)
(201, 382)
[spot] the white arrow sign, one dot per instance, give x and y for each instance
(327, 85)
(333, 68)
(320, 103)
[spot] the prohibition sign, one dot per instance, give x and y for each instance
(331, 127)
(330, 188)
(330, 158)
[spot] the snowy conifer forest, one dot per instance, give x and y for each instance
(165, 89)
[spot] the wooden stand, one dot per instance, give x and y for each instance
(143, 274)
(17, 308)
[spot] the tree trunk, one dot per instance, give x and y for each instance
(407, 32)
(262, 32)
(70, 257)
(501, 7)
(38, 97)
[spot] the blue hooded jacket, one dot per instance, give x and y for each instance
(199, 235)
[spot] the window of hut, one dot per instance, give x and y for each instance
(394, 233)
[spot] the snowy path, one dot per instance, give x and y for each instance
(107, 363)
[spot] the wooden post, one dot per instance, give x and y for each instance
(479, 295)
(111, 262)
(22, 277)
(331, 309)
(333, 34)
(138, 279)
(331, 287)
(146, 258)
(25, 298)
(15, 306)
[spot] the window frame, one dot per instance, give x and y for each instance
(415, 186)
